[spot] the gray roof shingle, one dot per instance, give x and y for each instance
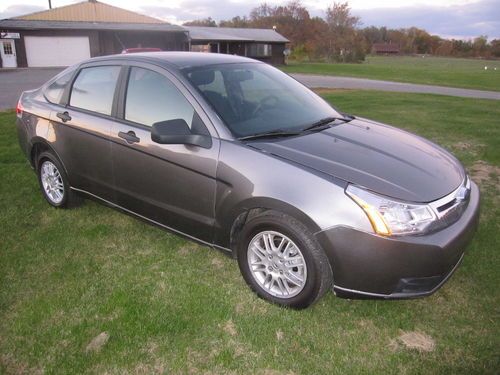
(234, 34)
(72, 25)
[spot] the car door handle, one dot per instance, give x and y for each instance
(130, 137)
(64, 116)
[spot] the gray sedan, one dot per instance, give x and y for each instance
(235, 154)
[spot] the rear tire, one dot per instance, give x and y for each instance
(54, 183)
(282, 262)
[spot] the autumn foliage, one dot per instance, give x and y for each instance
(339, 36)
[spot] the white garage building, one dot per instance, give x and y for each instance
(66, 35)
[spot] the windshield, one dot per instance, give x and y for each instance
(255, 98)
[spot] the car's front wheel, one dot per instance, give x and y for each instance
(54, 182)
(282, 262)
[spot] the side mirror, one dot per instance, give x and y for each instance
(177, 132)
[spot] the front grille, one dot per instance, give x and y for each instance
(445, 206)
(454, 213)
(451, 207)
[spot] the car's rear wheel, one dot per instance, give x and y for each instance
(282, 262)
(54, 182)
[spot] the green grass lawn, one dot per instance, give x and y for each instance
(466, 73)
(170, 306)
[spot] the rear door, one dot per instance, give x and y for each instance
(82, 129)
(171, 184)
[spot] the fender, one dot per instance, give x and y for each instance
(36, 141)
(225, 225)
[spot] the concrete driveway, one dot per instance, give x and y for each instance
(15, 81)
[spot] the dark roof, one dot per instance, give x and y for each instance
(180, 60)
(198, 33)
(71, 25)
(386, 47)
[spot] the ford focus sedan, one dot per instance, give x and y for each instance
(235, 154)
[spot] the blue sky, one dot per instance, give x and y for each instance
(448, 18)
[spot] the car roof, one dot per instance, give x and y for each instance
(179, 60)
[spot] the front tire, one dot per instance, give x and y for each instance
(54, 182)
(282, 262)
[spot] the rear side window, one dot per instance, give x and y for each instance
(54, 92)
(152, 98)
(94, 89)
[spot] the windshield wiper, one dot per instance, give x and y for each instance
(269, 134)
(325, 122)
(287, 133)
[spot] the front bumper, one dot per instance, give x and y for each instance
(398, 267)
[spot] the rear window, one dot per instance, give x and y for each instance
(94, 89)
(54, 92)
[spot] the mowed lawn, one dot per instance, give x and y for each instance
(441, 71)
(167, 305)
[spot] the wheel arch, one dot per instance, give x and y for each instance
(247, 209)
(39, 145)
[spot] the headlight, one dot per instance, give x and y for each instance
(390, 217)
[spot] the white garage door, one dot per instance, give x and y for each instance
(56, 50)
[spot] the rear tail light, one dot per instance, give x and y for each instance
(19, 109)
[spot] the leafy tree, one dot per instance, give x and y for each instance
(237, 21)
(203, 22)
(339, 36)
(343, 42)
(495, 47)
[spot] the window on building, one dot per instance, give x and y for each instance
(259, 50)
(7, 48)
(94, 89)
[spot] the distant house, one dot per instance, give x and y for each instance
(386, 49)
(66, 35)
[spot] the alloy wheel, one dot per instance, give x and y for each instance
(52, 182)
(277, 264)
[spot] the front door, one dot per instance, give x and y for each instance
(8, 53)
(172, 184)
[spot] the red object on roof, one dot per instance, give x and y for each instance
(140, 49)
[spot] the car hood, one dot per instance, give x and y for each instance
(379, 157)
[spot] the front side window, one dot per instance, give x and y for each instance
(255, 98)
(152, 98)
(94, 89)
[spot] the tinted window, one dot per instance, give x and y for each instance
(152, 98)
(94, 89)
(53, 93)
(258, 98)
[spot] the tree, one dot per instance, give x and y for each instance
(203, 22)
(338, 36)
(343, 42)
(480, 46)
(495, 47)
(236, 22)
